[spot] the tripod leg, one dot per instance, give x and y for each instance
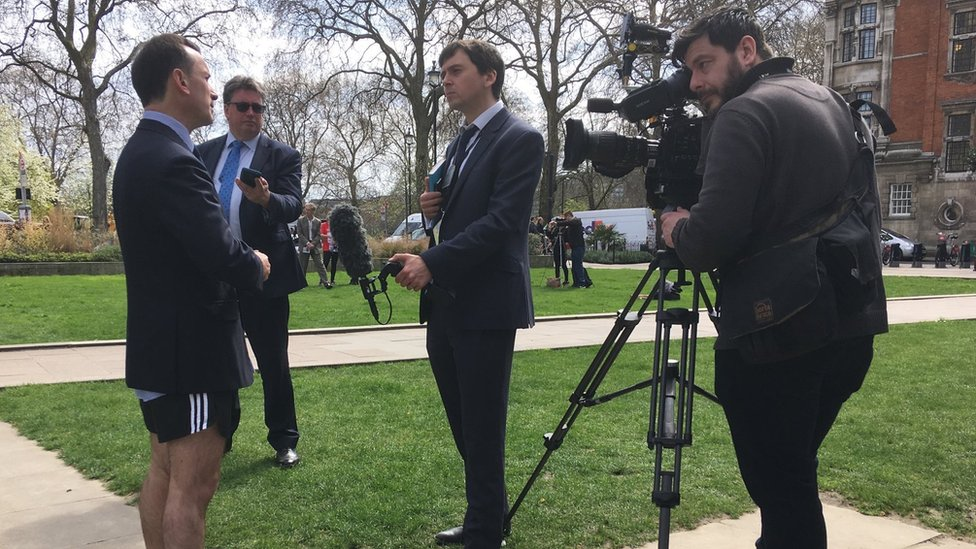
(669, 422)
(627, 320)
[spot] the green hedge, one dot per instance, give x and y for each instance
(619, 256)
(104, 253)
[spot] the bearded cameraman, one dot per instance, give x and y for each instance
(777, 151)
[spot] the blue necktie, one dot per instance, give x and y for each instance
(227, 176)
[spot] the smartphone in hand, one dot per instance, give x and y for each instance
(249, 176)
(435, 177)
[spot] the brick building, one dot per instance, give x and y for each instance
(917, 59)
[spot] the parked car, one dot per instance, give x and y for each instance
(903, 250)
(412, 227)
(6, 220)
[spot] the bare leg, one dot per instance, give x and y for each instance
(194, 475)
(152, 498)
(182, 479)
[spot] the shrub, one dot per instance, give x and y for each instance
(45, 257)
(59, 224)
(617, 256)
(56, 238)
(536, 244)
(606, 237)
(382, 248)
(107, 252)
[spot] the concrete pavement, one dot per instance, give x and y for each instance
(46, 504)
(87, 361)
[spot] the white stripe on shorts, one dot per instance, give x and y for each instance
(199, 412)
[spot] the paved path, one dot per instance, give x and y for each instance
(46, 504)
(86, 361)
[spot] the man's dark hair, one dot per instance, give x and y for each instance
(484, 56)
(724, 28)
(156, 60)
(240, 82)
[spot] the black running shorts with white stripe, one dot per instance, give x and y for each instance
(175, 416)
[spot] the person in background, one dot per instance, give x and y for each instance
(330, 254)
(259, 216)
(309, 230)
(559, 248)
(577, 248)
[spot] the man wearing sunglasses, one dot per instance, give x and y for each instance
(259, 216)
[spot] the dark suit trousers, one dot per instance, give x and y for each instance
(779, 414)
(472, 369)
(265, 321)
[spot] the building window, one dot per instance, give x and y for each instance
(865, 110)
(964, 23)
(847, 47)
(962, 55)
(849, 17)
(900, 203)
(869, 14)
(962, 45)
(959, 132)
(859, 34)
(866, 49)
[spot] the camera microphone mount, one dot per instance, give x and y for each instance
(672, 384)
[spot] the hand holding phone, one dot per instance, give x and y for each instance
(435, 177)
(249, 176)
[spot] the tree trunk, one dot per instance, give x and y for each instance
(100, 161)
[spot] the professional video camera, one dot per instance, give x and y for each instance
(670, 161)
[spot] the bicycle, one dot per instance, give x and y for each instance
(947, 250)
(953, 249)
(891, 252)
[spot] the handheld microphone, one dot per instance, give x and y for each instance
(368, 286)
(347, 230)
(346, 226)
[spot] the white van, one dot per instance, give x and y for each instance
(414, 227)
(635, 224)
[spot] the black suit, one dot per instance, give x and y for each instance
(183, 330)
(482, 294)
(265, 314)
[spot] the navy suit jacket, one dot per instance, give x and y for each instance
(183, 331)
(267, 229)
(482, 258)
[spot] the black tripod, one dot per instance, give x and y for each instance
(672, 385)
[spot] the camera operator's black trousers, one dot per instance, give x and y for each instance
(265, 321)
(473, 369)
(779, 414)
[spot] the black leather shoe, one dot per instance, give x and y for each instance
(455, 536)
(287, 457)
(451, 536)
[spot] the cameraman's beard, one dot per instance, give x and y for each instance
(733, 77)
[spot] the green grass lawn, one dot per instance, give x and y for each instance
(44, 309)
(379, 468)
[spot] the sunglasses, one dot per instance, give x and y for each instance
(243, 106)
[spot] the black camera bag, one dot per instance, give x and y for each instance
(785, 299)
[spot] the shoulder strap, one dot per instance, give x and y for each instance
(884, 120)
(831, 214)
